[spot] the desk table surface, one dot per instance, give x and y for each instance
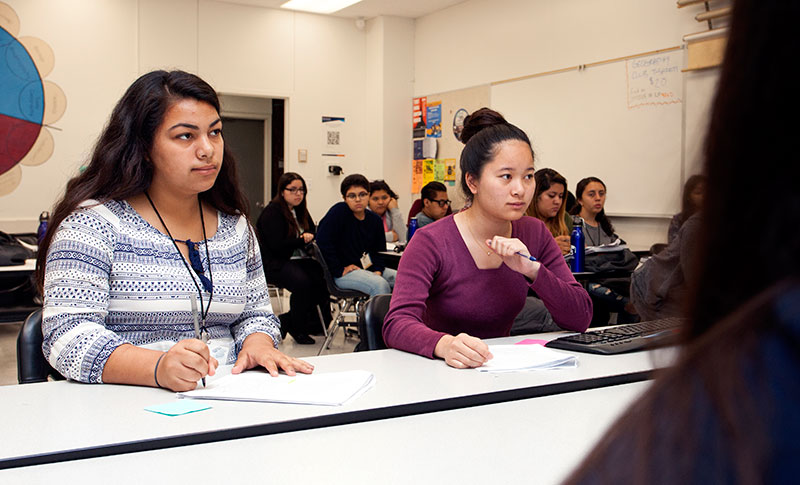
(56, 421)
(538, 440)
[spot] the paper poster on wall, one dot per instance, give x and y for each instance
(434, 124)
(654, 80)
(29, 104)
(450, 171)
(438, 170)
(332, 136)
(427, 170)
(419, 113)
(416, 176)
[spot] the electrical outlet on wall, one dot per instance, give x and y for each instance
(302, 155)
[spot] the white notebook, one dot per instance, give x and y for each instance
(511, 358)
(325, 389)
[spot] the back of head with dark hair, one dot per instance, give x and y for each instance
(120, 165)
(483, 131)
(748, 128)
(379, 184)
(300, 210)
(601, 217)
(352, 180)
(431, 188)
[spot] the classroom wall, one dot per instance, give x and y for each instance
(317, 63)
(482, 41)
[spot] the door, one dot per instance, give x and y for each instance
(245, 139)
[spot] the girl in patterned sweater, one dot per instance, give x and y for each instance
(155, 221)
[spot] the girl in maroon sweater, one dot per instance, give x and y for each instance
(465, 277)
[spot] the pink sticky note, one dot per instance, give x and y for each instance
(530, 341)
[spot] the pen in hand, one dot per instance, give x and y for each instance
(203, 336)
(527, 256)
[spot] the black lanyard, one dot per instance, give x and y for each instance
(203, 313)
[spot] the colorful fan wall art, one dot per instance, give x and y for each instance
(28, 103)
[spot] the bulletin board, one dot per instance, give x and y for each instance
(452, 106)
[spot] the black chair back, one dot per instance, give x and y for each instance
(332, 288)
(31, 364)
(371, 322)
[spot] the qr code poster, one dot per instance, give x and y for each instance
(333, 136)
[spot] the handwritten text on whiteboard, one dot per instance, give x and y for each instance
(654, 80)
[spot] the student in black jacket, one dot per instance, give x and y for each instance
(285, 228)
(351, 239)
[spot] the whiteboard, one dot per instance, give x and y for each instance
(601, 121)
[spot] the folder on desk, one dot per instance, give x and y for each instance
(512, 358)
(326, 389)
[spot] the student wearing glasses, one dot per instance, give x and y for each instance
(466, 277)
(285, 229)
(434, 203)
(351, 239)
(157, 219)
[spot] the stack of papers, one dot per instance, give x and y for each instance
(511, 358)
(331, 389)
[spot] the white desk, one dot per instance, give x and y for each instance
(529, 441)
(75, 420)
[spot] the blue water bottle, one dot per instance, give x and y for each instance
(44, 218)
(578, 245)
(412, 227)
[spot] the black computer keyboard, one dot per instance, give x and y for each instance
(624, 338)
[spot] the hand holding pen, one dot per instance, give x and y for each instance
(515, 255)
(186, 362)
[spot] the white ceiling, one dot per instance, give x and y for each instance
(372, 8)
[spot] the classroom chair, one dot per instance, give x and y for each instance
(371, 322)
(31, 364)
(348, 302)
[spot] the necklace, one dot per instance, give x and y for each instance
(194, 257)
(477, 241)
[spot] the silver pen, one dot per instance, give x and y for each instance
(202, 336)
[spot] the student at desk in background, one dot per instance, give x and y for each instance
(383, 202)
(548, 206)
(435, 203)
(285, 230)
(466, 277)
(692, 202)
(156, 217)
(607, 295)
(727, 411)
(351, 239)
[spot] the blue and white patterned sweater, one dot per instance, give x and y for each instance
(112, 278)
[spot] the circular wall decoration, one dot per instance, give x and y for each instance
(458, 122)
(27, 102)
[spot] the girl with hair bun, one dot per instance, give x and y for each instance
(466, 277)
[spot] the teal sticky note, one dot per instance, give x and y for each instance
(178, 407)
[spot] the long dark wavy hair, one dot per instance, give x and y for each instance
(120, 165)
(601, 217)
(740, 303)
(545, 178)
(303, 217)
